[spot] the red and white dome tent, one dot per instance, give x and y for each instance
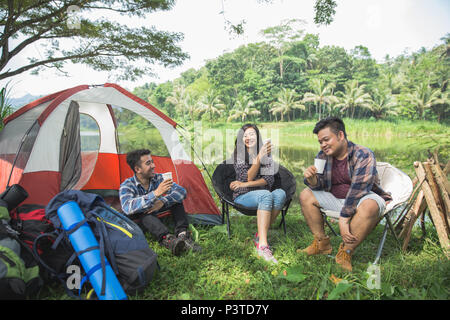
(40, 149)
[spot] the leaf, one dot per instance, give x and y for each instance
(293, 274)
(194, 232)
(341, 288)
(387, 289)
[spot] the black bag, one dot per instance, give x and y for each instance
(30, 222)
(17, 279)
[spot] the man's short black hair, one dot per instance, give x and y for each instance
(134, 157)
(334, 123)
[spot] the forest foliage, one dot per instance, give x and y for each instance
(290, 77)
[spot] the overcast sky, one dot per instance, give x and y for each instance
(384, 26)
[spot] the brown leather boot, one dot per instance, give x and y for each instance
(344, 258)
(319, 246)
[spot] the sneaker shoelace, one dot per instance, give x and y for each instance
(266, 250)
(344, 255)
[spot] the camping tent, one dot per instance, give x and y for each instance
(42, 149)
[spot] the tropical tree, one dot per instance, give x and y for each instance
(210, 103)
(423, 97)
(353, 97)
(281, 37)
(243, 108)
(382, 104)
(286, 103)
(101, 43)
(321, 95)
(5, 106)
(178, 99)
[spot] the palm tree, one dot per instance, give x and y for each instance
(243, 108)
(322, 94)
(382, 104)
(286, 103)
(210, 103)
(353, 97)
(178, 98)
(5, 107)
(423, 97)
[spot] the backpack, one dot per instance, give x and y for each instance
(121, 240)
(17, 279)
(30, 222)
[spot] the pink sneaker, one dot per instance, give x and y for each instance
(266, 253)
(256, 240)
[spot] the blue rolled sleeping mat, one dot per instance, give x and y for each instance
(87, 248)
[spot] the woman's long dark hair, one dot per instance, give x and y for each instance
(240, 150)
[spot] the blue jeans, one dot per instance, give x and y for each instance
(262, 199)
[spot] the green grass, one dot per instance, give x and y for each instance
(229, 268)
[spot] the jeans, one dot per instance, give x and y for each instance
(262, 199)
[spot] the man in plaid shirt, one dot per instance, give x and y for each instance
(349, 184)
(146, 193)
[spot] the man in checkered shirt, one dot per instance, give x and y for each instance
(146, 193)
(349, 185)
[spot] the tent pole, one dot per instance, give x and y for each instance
(193, 149)
(18, 151)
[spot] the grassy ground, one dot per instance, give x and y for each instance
(230, 269)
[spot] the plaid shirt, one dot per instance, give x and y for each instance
(363, 174)
(266, 171)
(135, 199)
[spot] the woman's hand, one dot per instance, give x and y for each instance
(265, 150)
(236, 185)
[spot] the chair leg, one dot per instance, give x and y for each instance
(391, 227)
(283, 216)
(381, 245)
(283, 221)
(223, 212)
(228, 220)
(383, 237)
(325, 218)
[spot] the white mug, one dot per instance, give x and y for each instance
(167, 175)
(320, 165)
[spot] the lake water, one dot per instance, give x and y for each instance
(297, 152)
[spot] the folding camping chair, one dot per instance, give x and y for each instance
(224, 174)
(399, 185)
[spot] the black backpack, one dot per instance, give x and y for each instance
(30, 222)
(124, 243)
(18, 280)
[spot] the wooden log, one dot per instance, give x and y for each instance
(411, 213)
(434, 211)
(436, 194)
(441, 179)
(441, 182)
(415, 212)
(446, 170)
(404, 216)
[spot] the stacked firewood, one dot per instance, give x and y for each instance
(430, 195)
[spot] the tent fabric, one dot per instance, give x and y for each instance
(70, 149)
(44, 139)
